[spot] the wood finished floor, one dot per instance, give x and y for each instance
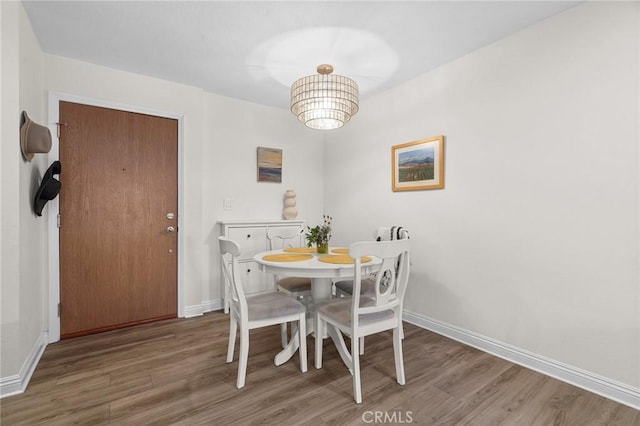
(174, 372)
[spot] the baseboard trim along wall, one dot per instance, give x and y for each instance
(17, 383)
(607, 388)
(202, 308)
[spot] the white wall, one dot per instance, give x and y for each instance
(232, 131)
(10, 187)
(24, 266)
(33, 229)
(534, 241)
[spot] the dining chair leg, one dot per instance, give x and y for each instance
(302, 333)
(284, 339)
(244, 355)
(355, 367)
(397, 352)
(233, 328)
(319, 333)
(226, 298)
(361, 346)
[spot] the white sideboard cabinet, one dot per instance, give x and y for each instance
(251, 236)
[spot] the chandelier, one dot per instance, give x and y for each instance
(324, 101)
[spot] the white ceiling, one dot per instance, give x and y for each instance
(255, 50)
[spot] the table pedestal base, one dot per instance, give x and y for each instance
(320, 290)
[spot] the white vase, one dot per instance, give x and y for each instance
(290, 211)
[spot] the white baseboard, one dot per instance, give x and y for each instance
(17, 383)
(206, 306)
(603, 386)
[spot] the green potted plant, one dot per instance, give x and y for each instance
(320, 235)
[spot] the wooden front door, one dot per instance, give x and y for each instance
(118, 200)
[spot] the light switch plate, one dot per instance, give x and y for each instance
(227, 204)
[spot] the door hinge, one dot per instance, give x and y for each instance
(58, 220)
(58, 125)
(58, 310)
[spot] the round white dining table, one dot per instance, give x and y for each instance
(322, 275)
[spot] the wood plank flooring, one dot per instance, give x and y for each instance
(174, 372)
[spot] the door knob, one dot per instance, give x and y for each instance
(170, 229)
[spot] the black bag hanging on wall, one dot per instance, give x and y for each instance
(49, 187)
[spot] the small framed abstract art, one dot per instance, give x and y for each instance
(418, 165)
(269, 165)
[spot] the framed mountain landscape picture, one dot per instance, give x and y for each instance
(418, 165)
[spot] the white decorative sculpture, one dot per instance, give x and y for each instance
(290, 211)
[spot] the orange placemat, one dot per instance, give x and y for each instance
(286, 257)
(342, 258)
(342, 250)
(300, 250)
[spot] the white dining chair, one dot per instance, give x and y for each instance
(255, 311)
(281, 237)
(344, 288)
(362, 316)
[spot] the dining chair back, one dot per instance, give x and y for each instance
(344, 288)
(283, 237)
(230, 250)
(255, 311)
(365, 315)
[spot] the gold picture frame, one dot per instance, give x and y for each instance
(418, 165)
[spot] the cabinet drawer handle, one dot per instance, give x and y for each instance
(248, 235)
(248, 270)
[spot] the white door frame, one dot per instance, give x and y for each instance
(53, 205)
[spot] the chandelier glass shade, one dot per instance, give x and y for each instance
(324, 101)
